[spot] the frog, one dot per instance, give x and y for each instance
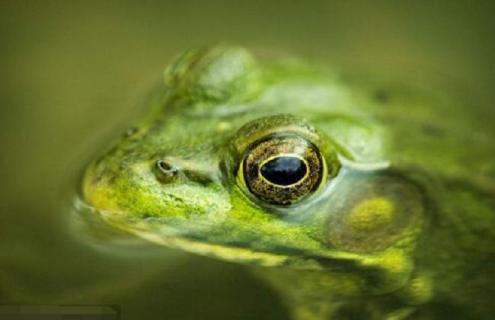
(354, 197)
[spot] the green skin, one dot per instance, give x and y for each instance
(400, 225)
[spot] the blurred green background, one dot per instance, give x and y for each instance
(72, 74)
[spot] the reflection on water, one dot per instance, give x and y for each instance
(91, 263)
(70, 72)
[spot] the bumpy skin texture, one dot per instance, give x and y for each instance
(399, 227)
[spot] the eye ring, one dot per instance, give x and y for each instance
(282, 169)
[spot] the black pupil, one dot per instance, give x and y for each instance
(284, 170)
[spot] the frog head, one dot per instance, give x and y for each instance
(274, 165)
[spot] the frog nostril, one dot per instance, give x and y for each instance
(166, 170)
(170, 170)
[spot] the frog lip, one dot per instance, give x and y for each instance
(233, 252)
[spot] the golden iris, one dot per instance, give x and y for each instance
(282, 169)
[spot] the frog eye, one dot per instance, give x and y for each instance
(282, 169)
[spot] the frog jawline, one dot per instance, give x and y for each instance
(225, 252)
(174, 241)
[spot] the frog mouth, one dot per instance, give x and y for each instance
(383, 272)
(237, 253)
(392, 264)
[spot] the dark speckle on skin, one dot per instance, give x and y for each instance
(112, 179)
(432, 130)
(381, 96)
(104, 175)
